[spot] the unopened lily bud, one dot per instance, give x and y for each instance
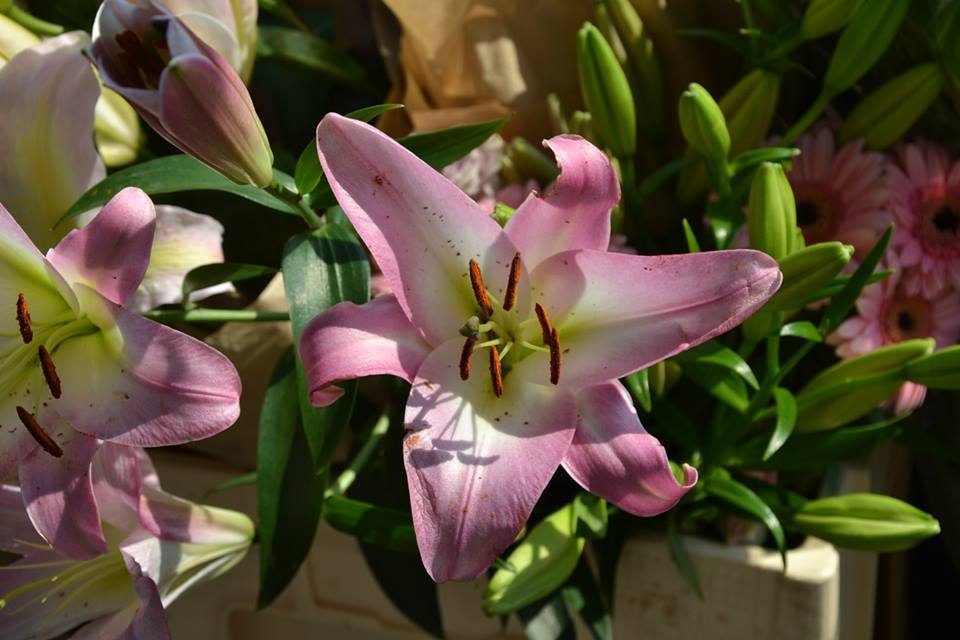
(531, 162)
(581, 124)
(808, 270)
(657, 377)
(558, 117)
(939, 370)
(645, 64)
(863, 41)
(886, 114)
(854, 387)
(606, 92)
(703, 124)
(184, 89)
(865, 521)
(540, 564)
(116, 129)
(772, 218)
(826, 16)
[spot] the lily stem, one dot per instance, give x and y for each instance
(32, 23)
(206, 316)
(345, 479)
(306, 211)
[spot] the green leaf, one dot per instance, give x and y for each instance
(843, 302)
(310, 52)
(289, 493)
(720, 382)
(840, 282)
(748, 160)
(786, 420)
(388, 528)
(591, 516)
(583, 594)
(320, 269)
(801, 329)
(171, 174)
(678, 551)
(638, 383)
(714, 353)
(692, 245)
(309, 173)
(209, 275)
(724, 38)
(240, 481)
(736, 494)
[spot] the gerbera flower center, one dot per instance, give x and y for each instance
(482, 331)
(940, 227)
(907, 318)
(817, 214)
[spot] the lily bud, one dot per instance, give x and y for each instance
(772, 218)
(940, 370)
(808, 270)
(541, 562)
(863, 41)
(116, 129)
(645, 63)
(182, 88)
(885, 115)
(865, 521)
(703, 124)
(229, 26)
(854, 387)
(606, 92)
(826, 16)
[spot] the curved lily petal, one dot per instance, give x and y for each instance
(613, 457)
(575, 213)
(142, 383)
(58, 494)
(477, 464)
(617, 313)
(350, 341)
(111, 253)
(421, 229)
(118, 487)
(48, 94)
(15, 527)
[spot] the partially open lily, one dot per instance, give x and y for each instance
(158, 546)
(78, 368)
(513, 338)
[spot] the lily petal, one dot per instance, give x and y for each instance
(421, 229)
(58, 494)
(143, 384)
(118, 487)
(613, 457)
(617, 313)
(350, 341)
(15, 526)
(48, 93)
(111, 253)
(477, 464)
(575, 213)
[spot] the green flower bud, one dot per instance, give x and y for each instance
(886, 114)
(541, 562)
(772, 218)
(826, 16)
(703, 124)
(502, 213)
(939, 370)
(807, 271)
(558, 117)
(606, 92)
(865, 521)
(581, 124)
(863, 41)
(657, 378)
(531, 162)
(854, 387)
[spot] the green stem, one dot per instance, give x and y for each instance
(345, 479)
(38, 26)
(808, 118)
(205, 316)
(306, 211)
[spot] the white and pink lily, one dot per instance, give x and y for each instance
(158, 546)
(559, 318)
(78, 369)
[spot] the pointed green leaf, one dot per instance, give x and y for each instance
(714, 353)
(801, 329)
(209, 275)
(638, 383)
(310, 52)
(678, 551)
(736, 494)
(843, 302)
(786, 420)
(381, 526)
(692, 245)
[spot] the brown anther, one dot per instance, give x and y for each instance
(49, 372)
(510, 298)
(546, 329)
(465, 355)
(23, 319)
(496, 372)
(479, 291)
(41, 436)
(554, 357)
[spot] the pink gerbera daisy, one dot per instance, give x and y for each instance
(925, 201)
(841, 195)
(887, 313)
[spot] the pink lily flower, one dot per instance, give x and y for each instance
(182, 88)
(513, 339)
(159, 547)
(79, 369)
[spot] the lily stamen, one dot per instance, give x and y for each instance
(49, 372)
(41, 436)
(546, 329)
(554, 357)
(496, 373)
(506, 349)
(510, 297)
(465, 355)
(23, 319)
(534, 347)
(479, 290)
